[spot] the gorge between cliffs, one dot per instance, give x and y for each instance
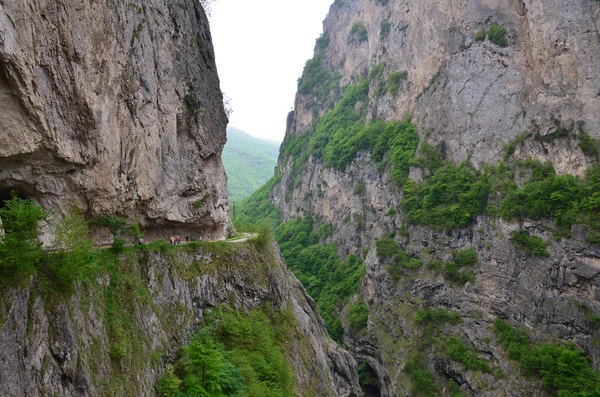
(432, 227)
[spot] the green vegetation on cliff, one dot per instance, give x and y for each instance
(249, 163)
(341, 134)
(565, 370)
(70, 259)
(358, 33)
(20, 253)
(450, 198)
(329, 280)
(496, 33)
(528, 243)
(317, 81)
(567, 199)
(233, 353)
(450, 195)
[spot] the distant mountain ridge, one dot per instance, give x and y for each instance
(248, 161)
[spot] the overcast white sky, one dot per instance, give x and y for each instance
(261, 47)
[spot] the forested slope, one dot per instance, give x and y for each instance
(249, 162)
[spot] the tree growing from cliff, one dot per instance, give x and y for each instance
(19, 249)
(119, 228)
(73, 252)
(233, 354)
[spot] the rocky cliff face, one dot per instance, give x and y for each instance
(473, 96)
(114, 107)
(114, 336)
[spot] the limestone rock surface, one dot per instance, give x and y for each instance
(114, 107)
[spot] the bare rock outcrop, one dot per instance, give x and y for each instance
(114, 107)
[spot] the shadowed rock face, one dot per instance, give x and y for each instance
(114, 107)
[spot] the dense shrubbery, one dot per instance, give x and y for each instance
(341, 126)
(329, 280)
(565, 370)
(71, 259)
(532, 245)
(589, 145)
(387, 247)
(398, 259)
(450, 198)
(401, 262)
(466, 257)
(318, 81)
(398, 140)
(119, 227)
(565, 198)
(433, 318)
(257, 209)
(496, 33)
(341, 134)
(322, 42)
(358, 33)
(20, 252)
(358, 315)
(459, 352)
(423, 380)
(232, 354)
(454, 194)
(456, 272)
(394, 81)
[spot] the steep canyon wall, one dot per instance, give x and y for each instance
(534, 95)
(114, 108)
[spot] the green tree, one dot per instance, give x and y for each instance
(73, 256)
(358, 315)
(119, 228)
(210, 373)
(19, 251)
(169, 384)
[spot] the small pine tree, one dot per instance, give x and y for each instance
(19, 249)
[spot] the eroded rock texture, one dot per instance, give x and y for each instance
(114, 107)
(114, 336)
(475, 97)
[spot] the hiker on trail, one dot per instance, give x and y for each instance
(178, 240)
(172, 240)
(187, 239)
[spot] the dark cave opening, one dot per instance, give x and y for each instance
(369, 381)
(7, 193)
